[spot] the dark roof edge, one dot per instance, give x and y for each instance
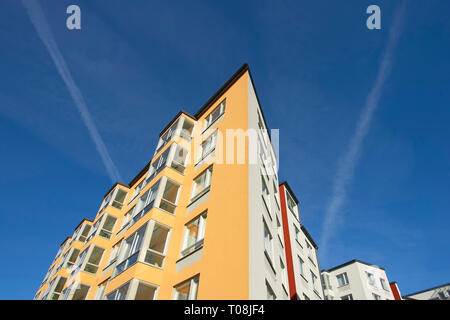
(433, 288)
(67, 238)
(140, 174)
(222, 90)
(114, 185)
(309, 236)
(174, 119)
(351, 262)
(290, 191)
(85, 219)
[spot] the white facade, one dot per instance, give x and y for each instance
(304, 252)
(436, 293)
(356, 280)
(267, 261)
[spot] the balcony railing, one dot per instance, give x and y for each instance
(192, 248)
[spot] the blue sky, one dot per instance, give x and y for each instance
(313, 62)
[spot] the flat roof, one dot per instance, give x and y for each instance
(351, 262)
(434, 288)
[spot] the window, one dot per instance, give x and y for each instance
(72, 258)
(384, 284)
(208, 146)
(85, 233)
(58, 288)
(100, 291)
(94, 260)
(117, 197)
(202, 182)
(280, 231)
(79, 262)
(265, 190)
(270, 294)
(376, 297)
(187, 290)
(326, 281)
(120, 293)
(261, 123)
(193, 235)
(169, 197)
(182, 127)
(114, 253)
(301, 263)
(275, 190)
(297, 234)
(79, 293)
(283, 275)
(314, 281)
(108, 226)
(138, 189)
(145, 292)
(144, 204)
(65, 293)
(158, 165)
(130, 250)
(291, 203)
(267, 242)
(94, 229)
(215, 115)
(371, 279)
(126, 219)
(186, 129)
(167, 136)
(342, 279)
(179, 159)
(156, 250)
(310, 252)
(347, 297)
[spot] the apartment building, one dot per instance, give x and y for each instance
(356, 280)
(436, 293)
(200, 221)
(301, 251)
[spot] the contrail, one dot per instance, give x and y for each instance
(347, 163)
(39, 22)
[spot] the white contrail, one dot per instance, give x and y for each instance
(347, 163)
(39, 22)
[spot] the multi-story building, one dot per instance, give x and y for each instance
(356, 280)
(436, 293)
(303, 269)
(200, 221)
(54, 280)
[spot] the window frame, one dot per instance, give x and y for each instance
(194, 283)
(199, 239)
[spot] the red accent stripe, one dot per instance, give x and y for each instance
(287, 245)
(395, 291)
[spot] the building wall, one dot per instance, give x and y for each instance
(261, 269)
(358, 285)
(437, 293)
(300, 283)
(231, 264)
